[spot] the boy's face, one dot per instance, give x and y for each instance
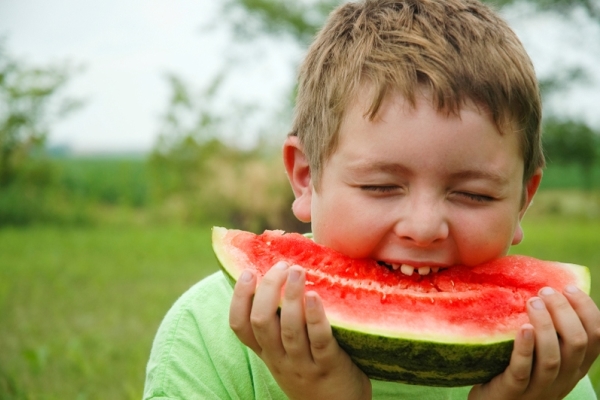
(416, 187)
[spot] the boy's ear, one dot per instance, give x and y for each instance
(530, 189)
(298, 172)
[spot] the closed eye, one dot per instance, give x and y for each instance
(480, 198)
(379, 188)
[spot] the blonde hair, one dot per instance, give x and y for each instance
(459, 50)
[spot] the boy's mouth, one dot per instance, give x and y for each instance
(408, 270)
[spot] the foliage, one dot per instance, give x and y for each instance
(30, 102)
(564, 7)
(80, 191)
(298, 19)
(199, 178)
(572, 142)
(301, 19)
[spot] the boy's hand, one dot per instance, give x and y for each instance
(552, 353)
(298, 347)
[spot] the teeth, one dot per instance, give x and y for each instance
(424, 270)
(407, 269)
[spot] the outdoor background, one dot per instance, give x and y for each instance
(127, 131)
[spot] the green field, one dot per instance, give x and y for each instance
(79, 306)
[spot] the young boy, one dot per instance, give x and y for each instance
(416, 142)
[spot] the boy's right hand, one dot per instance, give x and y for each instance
(298, 347)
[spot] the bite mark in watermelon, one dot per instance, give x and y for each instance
(452, 328)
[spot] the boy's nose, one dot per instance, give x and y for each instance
(422, 224)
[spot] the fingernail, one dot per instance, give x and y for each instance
(528, 334)
(571, 289)
(547, 291)
(537, 304)
(294, 275)
(246, 276)
(282, 265)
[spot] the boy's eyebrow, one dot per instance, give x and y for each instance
(394, 168)
(480, 174)
(366, 167)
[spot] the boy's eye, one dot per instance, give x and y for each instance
(479, 198)
(379, 188)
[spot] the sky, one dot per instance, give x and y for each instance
(126, 47)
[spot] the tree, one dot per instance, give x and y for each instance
(30, 103)
(202, 178)
(572, 143)
(301, 19)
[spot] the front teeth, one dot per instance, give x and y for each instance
(424, 270)
(409, 269)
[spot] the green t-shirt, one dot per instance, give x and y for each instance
(196, 355)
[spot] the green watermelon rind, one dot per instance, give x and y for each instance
(397, 358)
(426, 363)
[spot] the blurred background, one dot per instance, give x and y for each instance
(129, 128)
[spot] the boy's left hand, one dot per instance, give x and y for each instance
(297, 346)
(551, 354)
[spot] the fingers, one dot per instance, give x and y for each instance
(561, 341)
(547, 350)
(571, 333)
(293, 325)
(263, 316)
(324, 347)
(240, 308)
(518, 373)
(589, 316)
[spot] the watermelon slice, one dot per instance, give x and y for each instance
(454, 327)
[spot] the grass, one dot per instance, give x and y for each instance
(79, 307)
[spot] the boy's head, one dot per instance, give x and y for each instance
(416, 136)
(457, 51)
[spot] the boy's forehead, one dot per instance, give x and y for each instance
(417, 115)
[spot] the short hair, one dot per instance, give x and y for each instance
(459, 50)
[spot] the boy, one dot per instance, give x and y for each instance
(416, 143)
